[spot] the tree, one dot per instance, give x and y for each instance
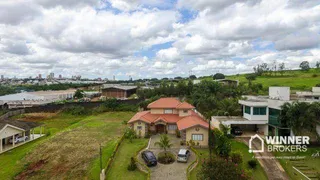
(222, 143)
(251, 77)
(164, 142)
(318, 64)
(304, 66)
(218, 76)
(300, 116)
(219, 169)
(193, 77)
(78, 94)
(281, 68)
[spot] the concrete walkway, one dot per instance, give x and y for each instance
(268, 162)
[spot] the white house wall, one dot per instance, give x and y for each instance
(9, 131)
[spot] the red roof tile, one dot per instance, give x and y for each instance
(164, 103)
(173, 103)
(185, 105)
(191, 121)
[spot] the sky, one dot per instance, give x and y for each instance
(155, 38)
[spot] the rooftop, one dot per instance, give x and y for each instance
(118, 86)
(173, 103)
(229, 118)
(25, 125)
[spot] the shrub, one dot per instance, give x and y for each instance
(222, 143)
(219, 168)
(314, 75)
(166, 157)
(132, 166)
(76, 110)
(124, 122)
(253, 163)
(178, 133)
(130, 134)
(236, 157)
(182, 143)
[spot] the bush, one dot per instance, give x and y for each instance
(236, 157)
(166, 157)
(182, 143)
(130, 134)
(132, 166)
(219, 168)
(178, 133)
(231, 136)
(314, 75)
(253, 163)
(76, 110)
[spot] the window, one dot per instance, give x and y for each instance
(197, 137)
(185, 111)
(247, 110)
(172, 127)
(168, 111)
(259, 110)
(139, 127)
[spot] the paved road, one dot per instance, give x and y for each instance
(270, 165)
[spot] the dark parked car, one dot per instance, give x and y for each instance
(149, 158)
(236, 131)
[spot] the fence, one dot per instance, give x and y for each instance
(57, 107)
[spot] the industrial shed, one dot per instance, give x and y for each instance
(118, 91)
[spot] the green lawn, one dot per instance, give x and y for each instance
(297, 80)
(307, 165)
(257, 174)
(72, 149)
(122, 159)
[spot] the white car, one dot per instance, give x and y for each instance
(183, 155)
(19, 139)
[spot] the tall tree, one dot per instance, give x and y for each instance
(304, 65)
(218, 76)
(164, 142)
(281, 68)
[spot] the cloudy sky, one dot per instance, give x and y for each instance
(155, 38)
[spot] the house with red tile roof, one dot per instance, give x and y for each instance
(169, 115)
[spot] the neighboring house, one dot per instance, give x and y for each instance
(261, 113)
(168, 115)
(228, 82)
(13, 129)
(311, 95)
(118, 91)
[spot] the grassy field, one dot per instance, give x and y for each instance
(70, 152)
(257, 174)
(297, 80)
(122, 159)
(308, 165)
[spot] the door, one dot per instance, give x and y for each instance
(160, 128)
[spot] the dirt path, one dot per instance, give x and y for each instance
(270, 165)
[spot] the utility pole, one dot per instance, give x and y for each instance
(100, 158)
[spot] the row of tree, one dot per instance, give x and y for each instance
(208, 96)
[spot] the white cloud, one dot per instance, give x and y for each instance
(170, 54)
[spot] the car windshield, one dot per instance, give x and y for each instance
(150, 156)
(181, 155)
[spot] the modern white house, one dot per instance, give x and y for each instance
(314, 94)
(260, 113)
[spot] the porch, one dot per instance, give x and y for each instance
(17, 138)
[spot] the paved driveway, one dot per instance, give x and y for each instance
(174, 171)
(270, 165)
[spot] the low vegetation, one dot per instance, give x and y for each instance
(119, 167)
(72, 149)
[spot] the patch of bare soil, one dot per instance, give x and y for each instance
(34, 117)
(33, 168)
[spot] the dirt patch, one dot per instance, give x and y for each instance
(34, 117)
(33, 168)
